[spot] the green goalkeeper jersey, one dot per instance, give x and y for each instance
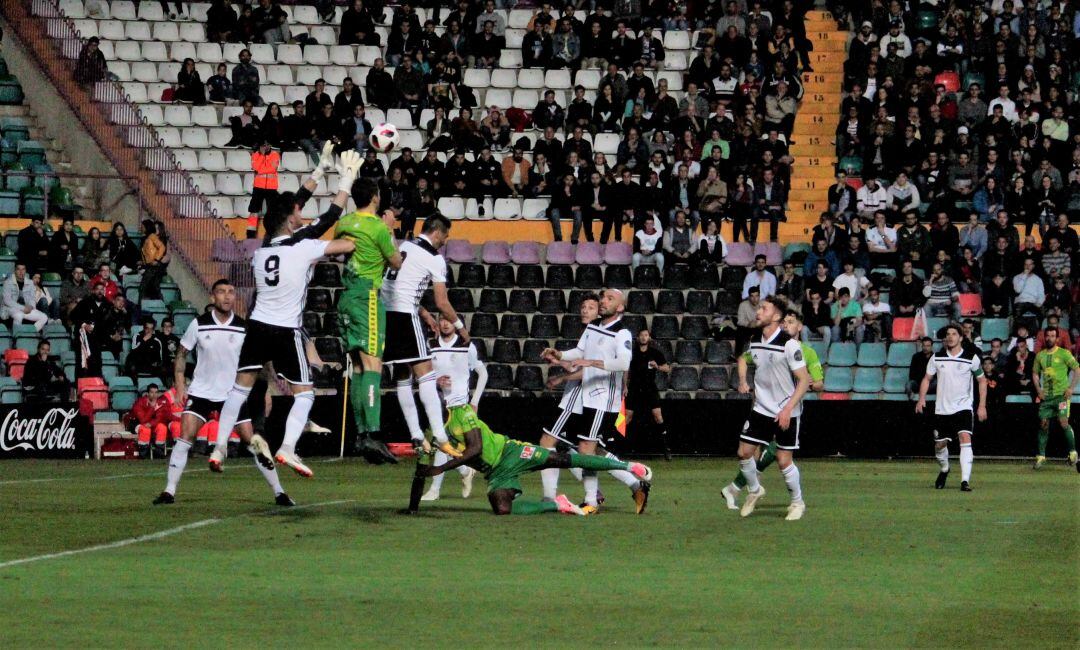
(1053, 369)
(374, 245)
(813, 363)
(464, 419)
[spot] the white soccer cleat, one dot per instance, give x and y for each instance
(731, 497)
(568, 507)
(430, 495)
(292, 460)
(217, 459)
(751, 501)
(795, 511)
(312, 427)
(261, 450)
(641, 472)
(466, 483)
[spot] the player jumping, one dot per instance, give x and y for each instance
(793, 325)
(216, 338)
(283, 268)
(954, 366)
(777, 404)
(1054, 375)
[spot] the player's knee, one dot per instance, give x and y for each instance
(746, 453)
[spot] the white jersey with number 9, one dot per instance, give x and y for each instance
(281, 280)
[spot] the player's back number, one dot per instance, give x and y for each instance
(272, 266)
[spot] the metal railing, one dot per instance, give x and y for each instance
(134, 147)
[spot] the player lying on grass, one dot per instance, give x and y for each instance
(793, 325)
(503, 461)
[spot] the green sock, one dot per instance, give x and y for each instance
(520, 507)
(356, 399)
(598, 463)
(1044, 435)
(767, 458)
(1070, 439)
(372, 399)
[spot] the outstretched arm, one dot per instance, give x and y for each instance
(473, 445)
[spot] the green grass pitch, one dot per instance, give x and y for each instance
(881, 560)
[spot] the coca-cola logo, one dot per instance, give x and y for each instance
(53, 430)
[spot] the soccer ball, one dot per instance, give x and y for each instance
(384, 138)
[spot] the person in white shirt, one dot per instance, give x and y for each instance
(1029, 289)
(1008, 106)
(19, 299)
(857, 285)
(761, 278)
(876, 316)
(647, 246)
(870, 198)
(903, 43)
(881, 242)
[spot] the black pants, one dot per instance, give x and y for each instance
(611, 220)
(774, 224)
(150, 286)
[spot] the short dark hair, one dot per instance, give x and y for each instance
(220, 282)
(759, 257)
(1047, 330)
(794, 313)
(436, 222)
(151, 387)
(780, 302)
(595, 297)
(754, 289)
(926, 339)
(43, 342)
(364, 191)
(843, 291)
(167, 321)
(278, 210)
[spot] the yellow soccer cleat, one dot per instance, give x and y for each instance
(641, 497)
(589, 510)
(1072, 457)
(1039, 462)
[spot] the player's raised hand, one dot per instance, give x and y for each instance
(551, 355)
(348, 167)
(326, 159)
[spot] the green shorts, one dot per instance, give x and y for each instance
(1053, 408)
(362, 318)
(517, 459)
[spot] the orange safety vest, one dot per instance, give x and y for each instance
(265, 168)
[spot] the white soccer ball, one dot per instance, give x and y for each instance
(384, 137)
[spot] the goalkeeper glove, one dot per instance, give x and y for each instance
(348, 167)
(326, 162)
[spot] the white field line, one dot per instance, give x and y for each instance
(91, 478)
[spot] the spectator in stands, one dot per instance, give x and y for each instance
(746, 318)
(411, 90)
(358, 26)
(871, 198)
(881, 242)
(858, 286)
(821, 281)
(318, 96)
(741, 203)
(997, 296)
(549, 113)
(155, 259)
(87, 315)
(711, 249)
(941, 293)
(1055, 261)
(680, 244)
(903, 197)
(1053, 322)
(104, 277)
(857, 252)
(170, 341)
(189, 85)
(565, 47)
(95, 250)
(33, 249)
(789, 284)
(19, 300)
(780, 110)
(877, 316)
(245, 80)
(841, 197)
(515, 174)
(245, 128)
(1019, 367)
(91, 66)
(847, 318)
(759, 276)
(147, 356)
(973, 236)
(495, 129)
(403, 41)
(145, 420)
(648, 247)
(73, 289)
(1029, 290)
(944, 237)
(917, 367)
(913, 241)
(219, 86)
(997, 354)
(770, 198)
(536, 48)
(355, 130)
(600, 206)
(968, 272)
(220, 22)
(907, 293)
(567, 200)
(43, 379)
(817, 318)
(712, 194)
(44, 301)
(490, 14)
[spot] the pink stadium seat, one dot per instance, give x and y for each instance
(970, 304)
(836, 397)
(525, 252)
(460, 251)
(740, 254)
(560, 252)
(589, 253)
(495, 252)
(224, 250)
(618, 252)
(774, 254)
(248, 248)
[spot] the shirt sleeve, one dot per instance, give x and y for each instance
(314, 249)
(623, 350)
(385, 241)
(438, 269)
(794, 354)
(1070, 361)
(976, 366)
(931, 367)
(190, 339)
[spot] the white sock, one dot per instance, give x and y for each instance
(592, 486)
(429, 397)
(734, 488)
(942, 456)
(271, 477)
(623, 476)
(749, 471)
(436, 481)
(464, 470)
(408, 410)
(177, 461)
(577, 472)
(549, 477)
(236, 398)
(298, 417)
(791, 477)
(967, 457)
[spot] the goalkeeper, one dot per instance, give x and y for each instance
(793, 324)
(503, 461)
(361, 313)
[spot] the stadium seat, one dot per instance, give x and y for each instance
(634, 322)
(934, 325)
(838, 380)
(522, 301)
(551, 301)
(452, 207)
(559, 276)
(871, 355)
(561, 253)
(842, 354)
(677, 276)
(733, 279)
(617, 253)
(530, 276)
(647, 277)
(698, 302)
(531, 350)
(739, 254)
(529, 378)
(970, 304)
(506, 351)
(706, 278)
(668, 302)
(617, 277)
(500, 377)
(471, 275)
(459, 250)
(688, 353)
(483, 325)
(461, 299)
(495, 252)
(513, 326)
(774, 255)
(525, 252)
(714, 378)
(694, 328)
(665, 327)
(492, 301)
(900, 354)
(896, 380)
(640, 302)
(588, 276)
(684, 378)
(995, 328)
(571, 327)
(501, 276)
(867, 380)
(718, 352)
(589, 253)
(544, 326)
(902, 329)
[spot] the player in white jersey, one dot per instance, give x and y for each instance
(603, 354)
(283, 267)
(406, 346)
(954, 366)
(454, 360)
(780, 382)
(216, 338)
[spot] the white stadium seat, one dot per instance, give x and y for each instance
(335, 75)
(519, 18)
(154, 91)
(590, 79)
(195, 137)
(498, 97)
(170, 137)
(342, 55)
(249, 183)
(674, 79)
(510, 59)
(238, 160)
(507, 209)
(272, 94)
(187, 159)
(204, 183)
(366, 55)
(151, 11)
(675, 61)
(72, 8)
(111, 30)
(288, 183)
(230, 52)
(153, 115)
(477, 78)
(606, 143)
(504, 78)
(168, 71)
(219, 136)
(375, 115)
(123, 10)
(137, 31)
(135, 91)
(166, 31)
(294, 93)
(557, 79)
(193, 32)
(205, 116)
(472, 210)
(514, 38)
(240, 205)
(290, 54)
(230, 184)
(316, 55)
(530, 78)
(411, 138)
(121, 69)
(534, 209)
(279, 75)
(222, 205)
(107, 50)
(129, 51)
(526, 98)
(208, 52)
(305, 15)
(262, 53)
(677, 40)
(399, 117)
(86, 28)
(155, 51)
(182, 50)
(307, 75)
(178, 115)
(325, 35)
(452, 207)
(211, 160)
(295, 161)
(197, 11)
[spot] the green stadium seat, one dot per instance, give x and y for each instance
(852, 165)
(894, 397)
(863, 397)
(867, 380)
(10, 90)
(107, 416)
(121, 382)
(797, 252)
(975, 78)
(9, 204)
(31, 153)
(871, 355)
(838, 380)
(131, 280)
(62, 198)
(146, 382)
(8, 152)
(821, 347)
(14, 129)
(900, 354)
(842, 354)
(3, 68)
(109, 372)
(122, 400)
(181, 322)
(995, 328)
(934, 325)
(60, 344)
(107, 358)
(33, 201)
(16, 177)
(1018, 399)
(11, 397)
(45, 179)
(28, 343)
(170, 294)
(24, 329)
(896, 380)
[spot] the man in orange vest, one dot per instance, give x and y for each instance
(264, 162)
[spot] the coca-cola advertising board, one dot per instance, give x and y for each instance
(43, 431)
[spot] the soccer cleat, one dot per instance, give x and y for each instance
(751, 502)
(164, 499)
(731, 497)
(292, 460)
(261, 451)
(641, 472)
(1039, 462)
(284, 500)
(795, 511)
(430, 495)
(939, 484)
(312, 427)
(144, 451)
(466, 483)
(1072, 457)
(159, 451)
(217, 460)
(567, 507)
(641, 497)
(374, 451)
(965, 486)
(586, 509)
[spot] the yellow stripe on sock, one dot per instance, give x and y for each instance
(373, 322)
